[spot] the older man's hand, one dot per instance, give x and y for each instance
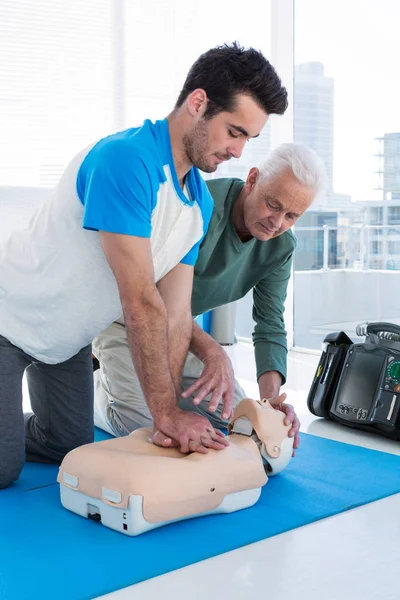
(290, 419)
(217, 379)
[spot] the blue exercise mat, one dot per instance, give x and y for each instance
(36, 475)
(48, 552)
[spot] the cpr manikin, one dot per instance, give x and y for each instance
(132, 485)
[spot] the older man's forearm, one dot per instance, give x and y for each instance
(179, 339)
(202, 344)
(271, 355)
(269, 384)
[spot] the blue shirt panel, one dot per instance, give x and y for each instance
(119, 179)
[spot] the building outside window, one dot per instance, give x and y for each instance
(351, 276)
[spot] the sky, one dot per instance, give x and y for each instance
(357, 41)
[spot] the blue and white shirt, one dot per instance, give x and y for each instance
(57, 291)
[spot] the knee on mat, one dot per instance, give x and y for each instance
(77, 441)
(9, 476)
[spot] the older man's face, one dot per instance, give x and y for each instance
(272, 206)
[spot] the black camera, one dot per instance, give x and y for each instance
(358, 385)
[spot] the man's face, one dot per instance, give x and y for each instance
(272, 206)
(212, 141)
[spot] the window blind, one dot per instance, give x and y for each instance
(57, 85)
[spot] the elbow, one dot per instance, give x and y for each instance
(146, 306)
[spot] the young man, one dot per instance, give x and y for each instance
(121, 235)
(249, 245)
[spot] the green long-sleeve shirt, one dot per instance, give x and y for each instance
(228, 268)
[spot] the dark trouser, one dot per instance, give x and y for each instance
(62, 402)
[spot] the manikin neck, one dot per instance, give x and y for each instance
(243, 426)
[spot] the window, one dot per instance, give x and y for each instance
(73, 72)
(394, 215)
(376, 248)
(394, 247)
(181, 32)
(57, 89)
(336, 113)
(376, 216)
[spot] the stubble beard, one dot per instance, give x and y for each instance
(196, 145)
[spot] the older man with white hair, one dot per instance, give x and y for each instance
(249, 245)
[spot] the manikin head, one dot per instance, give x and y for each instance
(265, 425)
(226, 100)
(278, 192)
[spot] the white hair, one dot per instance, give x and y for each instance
(304, 163)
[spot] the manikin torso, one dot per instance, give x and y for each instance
(132, 485)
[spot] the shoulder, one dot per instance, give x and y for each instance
(130, 155)
(224, 192)
(221, 188)
(136, 144)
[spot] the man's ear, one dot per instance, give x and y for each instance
(252, 178)
(197, 103)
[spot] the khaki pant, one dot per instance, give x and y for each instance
(119, 404)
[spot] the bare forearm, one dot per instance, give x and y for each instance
(179, 336)
(147, 332)
(202, 344)
(269, 384)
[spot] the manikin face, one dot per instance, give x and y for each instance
(212, 141)
(271, 206)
